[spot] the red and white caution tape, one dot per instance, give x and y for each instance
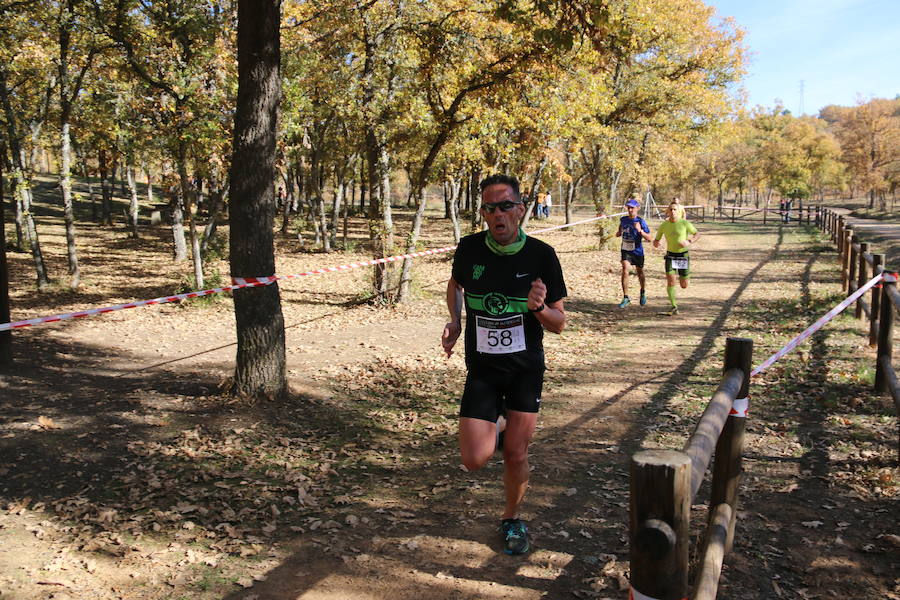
(247, 282)
(106, 309)
(817, 325)
(739, 408)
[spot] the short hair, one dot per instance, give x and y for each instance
(499, 178)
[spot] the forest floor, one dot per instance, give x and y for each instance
(124, 473)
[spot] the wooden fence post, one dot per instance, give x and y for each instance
(845, 257)
(852, 261)
(799, 212)
(765, 212)
(862, 275)
(659, 523)
(726, 472)
(885, 336)
(877, 261)
(839, 233)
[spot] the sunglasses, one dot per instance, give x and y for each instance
(505, 206)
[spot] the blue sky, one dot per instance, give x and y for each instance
(839, 49)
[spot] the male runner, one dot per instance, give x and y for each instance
(680, 233)
(513, 289)
(633, 230)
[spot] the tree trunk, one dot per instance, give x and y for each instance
(286, 202)
(65, 184)
(92, 197)
(187, 193)
(260, 369)
(336, 203)
(105, 191)
(149, 176)
(216, 196)
(614, 176)
(455, 187)
(22, 185)
(535, 182)
(5, 336)
(475, 197)
(176, 204)
(133, 208)
(66, 98)
(411, 241)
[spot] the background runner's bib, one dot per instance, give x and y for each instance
(628, 245)
(499, 336)
(679, 263)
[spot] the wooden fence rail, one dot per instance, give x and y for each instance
(858, 265)
(664, 484)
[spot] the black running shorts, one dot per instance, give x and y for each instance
(486, 394)
(636, 260)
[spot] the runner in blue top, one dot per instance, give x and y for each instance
(633, 230)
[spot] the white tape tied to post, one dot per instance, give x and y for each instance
(739, 407)
(818, 324)
(248, 282)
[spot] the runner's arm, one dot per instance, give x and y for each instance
(644, 234)
(553, 316)
(454, 327)
(693, 238)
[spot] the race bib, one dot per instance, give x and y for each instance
(627, 245)
(679, 263)
(500, 336)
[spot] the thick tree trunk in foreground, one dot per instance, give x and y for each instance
(260, 369)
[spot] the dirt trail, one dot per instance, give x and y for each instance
(403, 521)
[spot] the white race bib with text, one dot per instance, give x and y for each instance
(500, 336)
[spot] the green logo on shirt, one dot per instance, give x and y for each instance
(496, 304)
(477, 271)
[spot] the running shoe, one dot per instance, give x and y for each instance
(643, 298)
(673, 312)
(625, 302)
(515, 536)
(500, 432)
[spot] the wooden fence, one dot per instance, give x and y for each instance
(859, 264)
(664, 484)
(796, 215)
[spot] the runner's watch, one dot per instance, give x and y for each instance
(538, 309)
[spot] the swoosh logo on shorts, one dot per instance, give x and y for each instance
(520, 275)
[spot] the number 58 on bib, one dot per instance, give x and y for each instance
(500, 336)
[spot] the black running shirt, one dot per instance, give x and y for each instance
(501, 333)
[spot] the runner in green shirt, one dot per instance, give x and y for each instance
(680, 234)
